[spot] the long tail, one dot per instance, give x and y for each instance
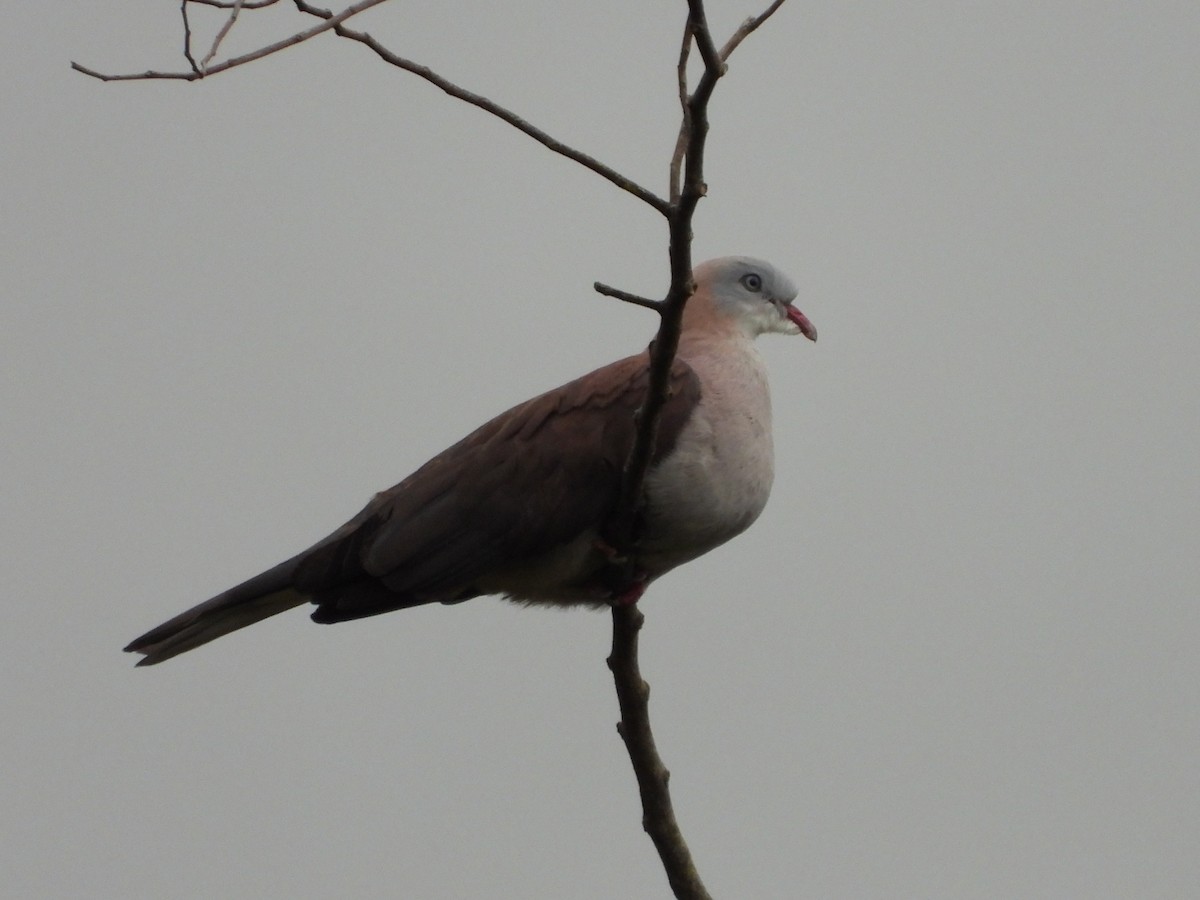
(251, 601)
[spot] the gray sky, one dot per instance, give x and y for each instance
(957, 657)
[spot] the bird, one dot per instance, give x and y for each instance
(517, 508)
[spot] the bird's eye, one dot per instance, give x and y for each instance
(752, 281)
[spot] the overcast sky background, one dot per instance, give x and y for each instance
(958, 655)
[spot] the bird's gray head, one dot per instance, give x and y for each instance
(755, 293)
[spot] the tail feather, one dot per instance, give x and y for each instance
(251, 601)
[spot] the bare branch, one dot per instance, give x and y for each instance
(698, 23)
(746, 28)
(180, 76)
(681, 140)
(620, 529)
(635, 299)
(500, 112)
(187, 37)
(331, 23)
(658, 815)
(236, 10)
(230, 4)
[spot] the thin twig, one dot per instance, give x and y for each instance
(187, 37)
(635, 299)
(681, 139)
(746, 28)
(622, 524)
(330, 21)
(329, 24)
(230, 4)
(489, 106)
(658, 815)
(234, 12)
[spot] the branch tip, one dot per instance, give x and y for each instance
(635, 299)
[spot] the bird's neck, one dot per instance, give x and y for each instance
(715, 336)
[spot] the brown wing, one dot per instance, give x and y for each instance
(531, 479)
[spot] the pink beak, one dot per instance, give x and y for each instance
(806, 327)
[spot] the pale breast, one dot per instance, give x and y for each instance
(717, 480)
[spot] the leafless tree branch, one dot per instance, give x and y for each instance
(331, 23)
(743, 31)
(698, 25)
(658, 815)
(495, 109)
(746, 28)
(187, 38)
(622, 526)
(676, 169)
(620, 531)
(235, 10)
(635, 299)
(230, 4)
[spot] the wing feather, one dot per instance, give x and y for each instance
(530, 480)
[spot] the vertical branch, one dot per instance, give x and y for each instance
(216, 44)
(687, 187)
(693, 134)
(187, 37)
(658, 815)
(684, 120)
(633, 694)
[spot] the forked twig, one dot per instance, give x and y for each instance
(687, 188)
(187, 38)
(747, 28)
(685, 120)
(198, 72)
(590, 162)
(224, 30)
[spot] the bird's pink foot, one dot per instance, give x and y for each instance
(630, 595)
(626, 582)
